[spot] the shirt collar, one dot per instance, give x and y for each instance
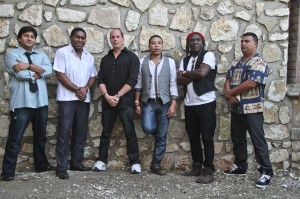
(125, 50)
(71, 49)
(23, 50)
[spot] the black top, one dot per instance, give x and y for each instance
(115, 73)
(204, 84)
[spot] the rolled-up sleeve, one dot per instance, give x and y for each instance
(134, 65)
(173, 82)
(100, 73)
(10, 61)
(46, 65)
(138, 86)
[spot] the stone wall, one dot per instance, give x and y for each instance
(222, 23)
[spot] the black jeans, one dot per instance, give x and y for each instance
(19, 120)
(253, 123)
(71, 115)
(200, 121)
(126, 116)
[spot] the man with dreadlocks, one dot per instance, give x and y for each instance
(197, 73)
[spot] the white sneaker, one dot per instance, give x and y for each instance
(99, 166)
(136, 169)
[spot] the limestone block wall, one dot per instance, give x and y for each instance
(222, 23)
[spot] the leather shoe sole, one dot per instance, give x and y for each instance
(7, 178)
(50, 168)
(62, 174)
(158, 171)
(80, 168)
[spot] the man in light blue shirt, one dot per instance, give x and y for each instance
(28, 70)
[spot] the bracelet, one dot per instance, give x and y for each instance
(87, 88)
(137, 101)
(29, 67)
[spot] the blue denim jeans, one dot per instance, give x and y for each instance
(19, 120)
(253, 123)
(71, 115)
(126, 116)
(155, 121)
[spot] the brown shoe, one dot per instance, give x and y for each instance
(158, 171)
(206, 177)
(196, 170)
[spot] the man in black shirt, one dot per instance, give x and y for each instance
(117, 78)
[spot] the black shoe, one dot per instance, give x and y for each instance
(196, 170)
(83, 168)
(50, 168)
(235, 171)
(158, 171)
(62, 174)
(263, 181)
(7, 178)
(206, 177)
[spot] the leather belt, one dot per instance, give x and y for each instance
(155, 100)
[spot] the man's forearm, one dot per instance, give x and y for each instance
(124, 89)
(66, 82)
(91, 82)
(243, 87)
(182, 80)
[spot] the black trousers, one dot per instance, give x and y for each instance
(200, 124)
(126, 116)
(253, 123)
(71, 115)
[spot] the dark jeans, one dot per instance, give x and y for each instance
(253, 123)
(71, 115)
(19, 120)
(155, 121)
(200, 121)
(126, 116)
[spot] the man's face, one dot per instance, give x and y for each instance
(156, 46)
(27, 40)
(195, 43)
(248, 45)
(78, 40)
(116, 39)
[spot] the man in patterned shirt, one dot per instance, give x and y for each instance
(244, 92)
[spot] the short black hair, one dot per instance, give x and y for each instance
(253, 35)
(153, 36)
(27, 29)
(77, 30)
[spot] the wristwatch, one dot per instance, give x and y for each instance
(118, 95)
(184, 72)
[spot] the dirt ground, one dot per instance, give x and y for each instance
(122, 184)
